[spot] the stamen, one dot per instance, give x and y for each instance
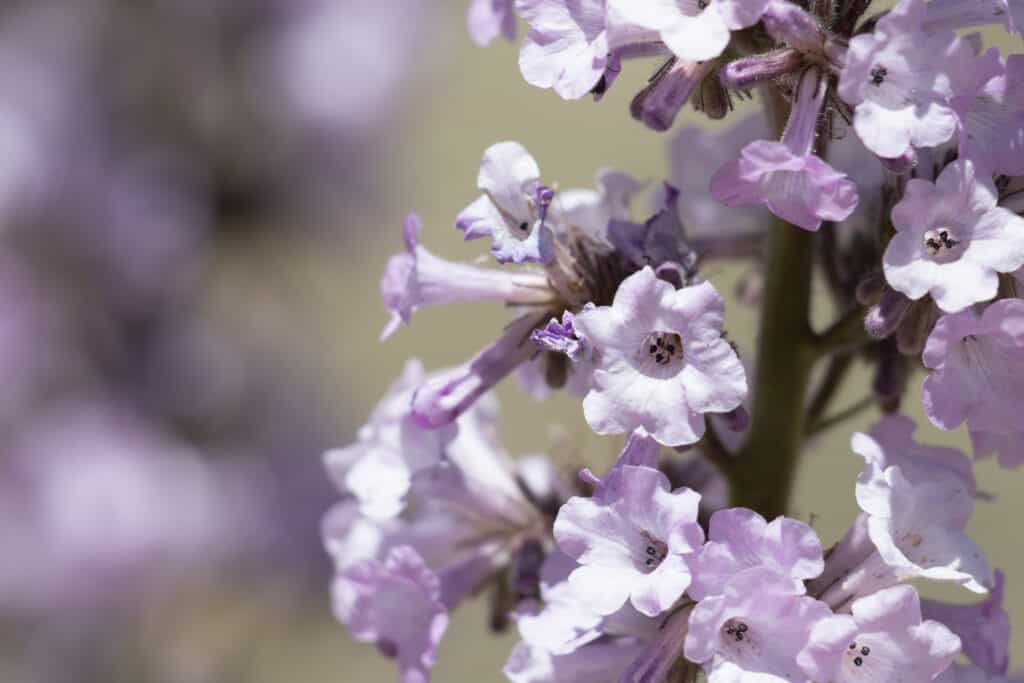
(737, 630)
(655, 551)
(858, 658)
(940, 242)
(878, 75)
(664, 347)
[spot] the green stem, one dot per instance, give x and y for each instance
(765, 467)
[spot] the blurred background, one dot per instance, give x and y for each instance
(197, 198)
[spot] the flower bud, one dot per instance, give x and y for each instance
(793, 25)
(884, 318)
(669, 90)
(745, 73)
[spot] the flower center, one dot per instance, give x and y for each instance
(663, 347)
(858, 654)
(736, 631)
(940, 243)
(878, 75)
(655, 551)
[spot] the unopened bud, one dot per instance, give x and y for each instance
(916, 327)
(884, 318)
(793, 25)
(737, 419)
(713, 99)
(668, 91)
(870, 288)
(745, 73)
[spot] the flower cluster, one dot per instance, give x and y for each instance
(644, 573)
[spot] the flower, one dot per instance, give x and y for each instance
(396, 606)
(567, 46)
(487, 19)
(661, 360)
(952, 239)
(975, 362)
(715, 227)
(668, 92)
(896, 79)
(640, 450)
(916, 518)
(983, 628)
(378, 468)
(631, 544)
(694, 30)
(513, 206)
(883, 639)
(740, 540)
(602, 661)
(989, 103)
(416, 279)
(786, 177)
(447, 394)
(756, 628)
(957, 14)
(467, 514)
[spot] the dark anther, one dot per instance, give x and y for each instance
(865, 651)
(858, 661)
(878, 75)
(524, 226)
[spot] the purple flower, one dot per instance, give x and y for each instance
(640, 451)
(668, 92)
(975, 362)
(566, 622)
(632, 543)
(416, 279)
(467, 514)
(969, 673)
(447, 394)
(487, 19)
(950, 15)
(989, 103)
(786, 177)
(713, 228)
(755, 629)
(883, 639)
(916, 518)
(983, 628)
(602, 661)
(396, 606)
(952, 240)
(891, 443)
(693, 30)
(661, 360)
(560, 337)
(740, 540)
(378, 468)
(510, 209)
(660, 241)
(567, 46)
(591, 210)
(896, 79)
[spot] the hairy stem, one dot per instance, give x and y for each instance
(766, 465)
